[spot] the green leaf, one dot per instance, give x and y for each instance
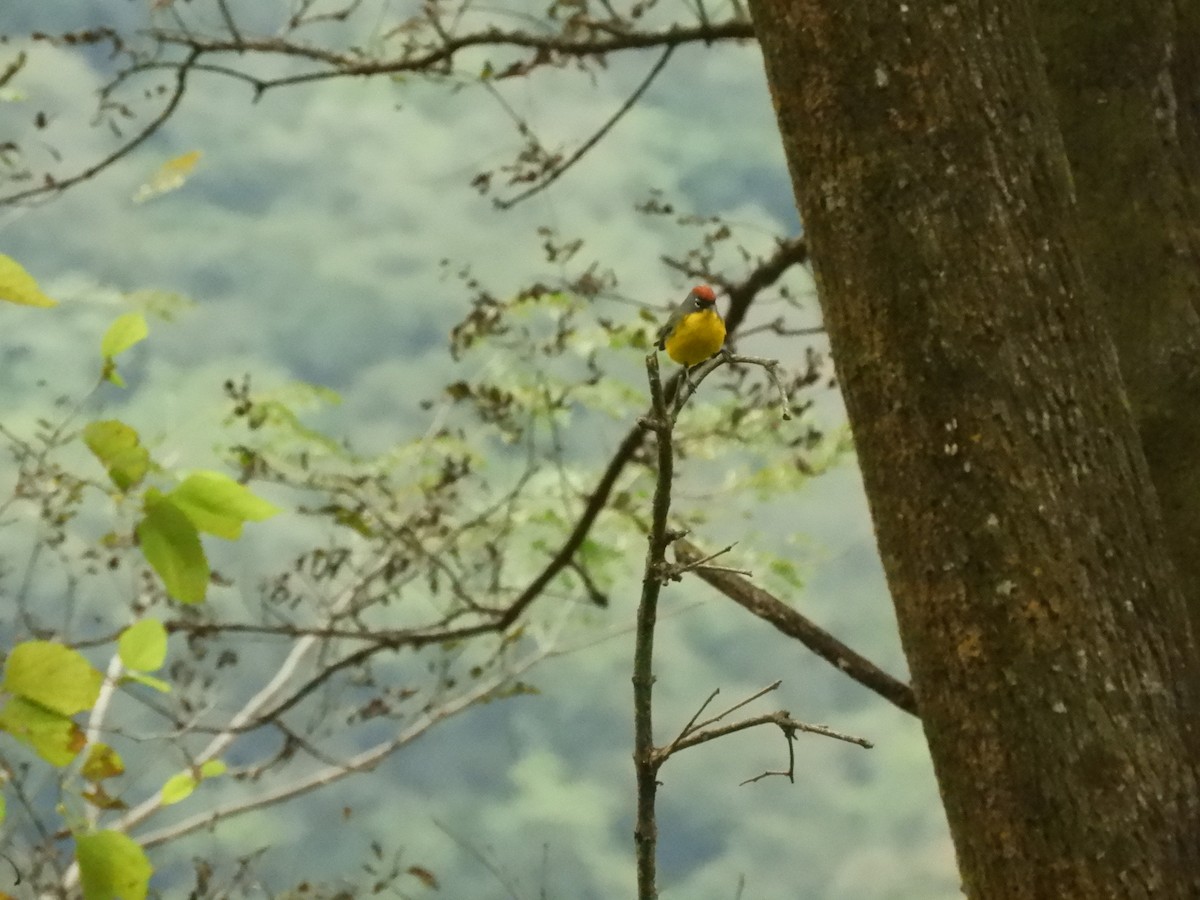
(143, 646)
(119, 450)
(53, 676)
(218, 505)
(122, 334)
(149, 680)
(171, 546)
(55, 738)
(102, 762)
(178, 787)
(18, 286)
(3, 809)
(112, 866)
(126, 331)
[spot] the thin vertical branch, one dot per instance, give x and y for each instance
(645, 760)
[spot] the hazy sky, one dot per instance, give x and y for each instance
(310, 239)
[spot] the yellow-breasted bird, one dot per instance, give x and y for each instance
(695, 330)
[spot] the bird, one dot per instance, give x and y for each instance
(695, 330)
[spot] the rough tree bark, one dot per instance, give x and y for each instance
(1113, 68)
(1043, 621)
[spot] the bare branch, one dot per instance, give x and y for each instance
(61, 184)
(436, 57)
(783, 719)
(792, 623)
(691, 727)
(676, 571)
(482, 858)
(247, 714)
(772, 367)
(646, 760)
(99, 711)
(227, 17)
(560, 170)
(364, 761)
(774, 686)
(549, 47)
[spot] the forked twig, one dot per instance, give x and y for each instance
(648, 759)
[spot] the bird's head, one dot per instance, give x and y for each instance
(703, 297)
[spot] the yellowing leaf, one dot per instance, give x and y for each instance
(171, 546)
(213, 768)
(55, 738)
(143, 645)
(18, 286)
(53, 676)
(112, 866)
(423, 875)
(102, 799)
(122, 334)
(178, 787)
(170, 176)
(119, 450)
(218, 505)
(102, 762)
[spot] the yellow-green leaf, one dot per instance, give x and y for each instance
(112, 866)
(170, 176)
(213, 768)
(218, 505)
(171, 546)
(18, 286)
(102, 762)
(178, 787)
(55, 738)
(119, 450)
(143, 645)
(53, 676)
(122, 334)
(149, 680)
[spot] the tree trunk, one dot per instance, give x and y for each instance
(1110, 67)
(1043, 622)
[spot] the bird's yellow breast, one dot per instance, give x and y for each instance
(697, 337)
